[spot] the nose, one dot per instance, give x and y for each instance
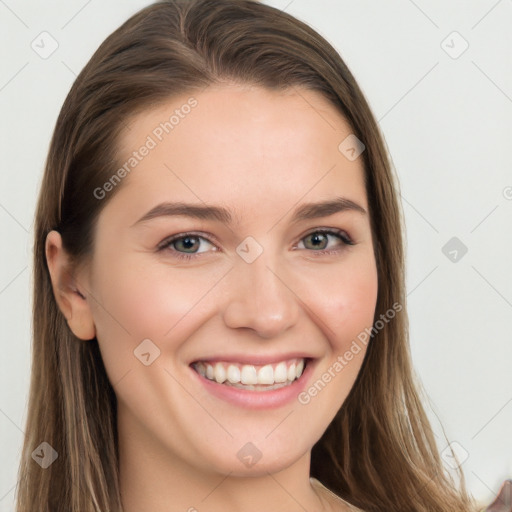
(261, 298)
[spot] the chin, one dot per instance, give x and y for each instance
(258, 458)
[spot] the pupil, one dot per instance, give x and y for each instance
(188, 242)
(318, 237)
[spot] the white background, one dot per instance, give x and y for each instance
(447, 123)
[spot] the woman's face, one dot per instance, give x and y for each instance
(254, 289)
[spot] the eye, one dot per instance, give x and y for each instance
(186, 245)
(319, 239)
(186, 242)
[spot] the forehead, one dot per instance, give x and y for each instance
(239, 145)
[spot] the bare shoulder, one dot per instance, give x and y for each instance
(334, 502)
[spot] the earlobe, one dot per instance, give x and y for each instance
(72, 301)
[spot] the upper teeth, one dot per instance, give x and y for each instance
(250, 374)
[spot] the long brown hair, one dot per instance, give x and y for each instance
(379, 452)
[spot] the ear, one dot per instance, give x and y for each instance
(72, 300)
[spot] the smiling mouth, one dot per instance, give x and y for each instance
(252, 377)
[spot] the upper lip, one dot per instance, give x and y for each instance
(261, 359)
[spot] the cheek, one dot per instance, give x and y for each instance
(138, 301)
(344, 308)
(344, 300)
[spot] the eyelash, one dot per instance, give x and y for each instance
(345, 239)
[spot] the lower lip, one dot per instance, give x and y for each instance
(251, 399)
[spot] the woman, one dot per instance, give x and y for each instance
(270, 365)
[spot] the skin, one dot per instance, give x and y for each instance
(260, 154)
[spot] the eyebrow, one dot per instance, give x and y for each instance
(221, 214)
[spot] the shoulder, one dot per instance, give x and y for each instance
(336, 504)
(503, 501)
